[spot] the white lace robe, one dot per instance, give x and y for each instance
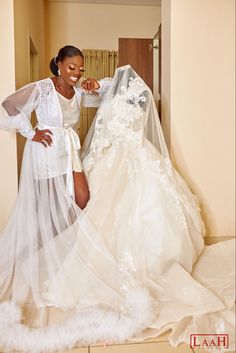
(41, 97)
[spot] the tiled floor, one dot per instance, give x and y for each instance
(197, 350)
(149, 347)
(155, 345)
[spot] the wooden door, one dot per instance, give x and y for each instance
(157, 69)
(137, 52)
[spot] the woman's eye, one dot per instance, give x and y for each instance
(71, 68)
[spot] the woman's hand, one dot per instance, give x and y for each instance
(90, 84)
(43, 136)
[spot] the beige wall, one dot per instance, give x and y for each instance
(166, 69)
(19, 20)
(98, 26)
(8, 166)
(29, 22)
(29, 25)
(201, 99)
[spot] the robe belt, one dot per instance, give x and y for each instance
(73, 145)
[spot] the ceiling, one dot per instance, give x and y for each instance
(115, 2)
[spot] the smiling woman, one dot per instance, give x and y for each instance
(68, 67)
(57, 114)
(53, 187)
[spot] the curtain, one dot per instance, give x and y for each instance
(98, 64)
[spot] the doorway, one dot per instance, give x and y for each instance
(33, 76)
(144, 55)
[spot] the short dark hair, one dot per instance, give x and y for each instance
(67, 51)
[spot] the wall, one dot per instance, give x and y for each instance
(19, 20)
(98, 26)
(8, 166)
(29, 23)
(202, 87)
(166, 69)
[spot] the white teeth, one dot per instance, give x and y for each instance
(74, 79)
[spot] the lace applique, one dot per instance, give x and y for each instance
(100, 141)
(127, 269)
(125, 125)
(45, 88)
(174, 185)
(47, 110)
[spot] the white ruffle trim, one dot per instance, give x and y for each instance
(88, 327)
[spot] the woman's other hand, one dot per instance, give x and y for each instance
(43, 136)
(90, 84)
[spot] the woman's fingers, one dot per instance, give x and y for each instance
(85, 83)
(43, 143)
(43, 136)
(47, 131)
(47, 138)
(90, 84)
(94, 85)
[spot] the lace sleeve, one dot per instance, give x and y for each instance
(15, 110)
(90, 99)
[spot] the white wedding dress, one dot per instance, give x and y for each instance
(133, 264)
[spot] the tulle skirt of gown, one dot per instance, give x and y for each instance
(150, 222)
(132, 265)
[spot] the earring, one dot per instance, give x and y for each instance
(59, 72)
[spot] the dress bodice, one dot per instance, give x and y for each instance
(70, 110)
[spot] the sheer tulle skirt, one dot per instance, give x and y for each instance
(121, 268)
(132, 265)
(51, 255)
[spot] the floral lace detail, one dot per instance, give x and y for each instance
(124, 131)
(175, 187)
(125, 125)
(127, 269)
(47, 111)
(45, 88)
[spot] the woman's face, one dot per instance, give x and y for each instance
(71, 69)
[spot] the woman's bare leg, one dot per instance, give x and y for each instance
(81, 189)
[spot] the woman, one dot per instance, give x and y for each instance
(56, 101)
(47, 219)
(53, 188)
(124, 264)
